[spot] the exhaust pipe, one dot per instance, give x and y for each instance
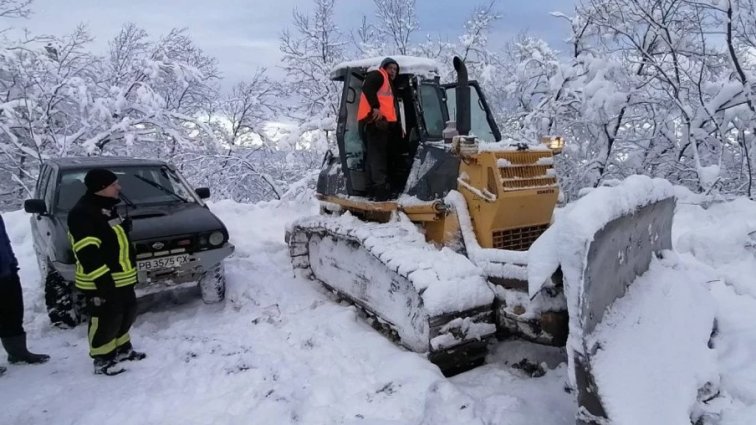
(462, 92)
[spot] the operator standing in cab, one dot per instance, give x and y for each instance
(377, 115)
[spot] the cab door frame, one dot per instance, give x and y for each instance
(348, 138)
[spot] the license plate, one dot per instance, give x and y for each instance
(162, 262)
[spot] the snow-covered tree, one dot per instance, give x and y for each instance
(59, 99)
(472, 45)
(397, 21)
(310, 51)
(740, 35)
(684, 71)
(14, 172)
(15, 8)
(43, 87)
(658, 87)
(237, 169)
(155, 93)
(523, 89)
(647, 90)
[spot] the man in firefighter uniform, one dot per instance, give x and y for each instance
(105, 271)
(378, 121)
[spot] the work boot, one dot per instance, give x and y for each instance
(107, 367)
(17, 352)
(127, 353)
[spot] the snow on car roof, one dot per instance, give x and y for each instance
(407, 65)
(101, 161)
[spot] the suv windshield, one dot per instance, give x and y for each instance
(141, 185)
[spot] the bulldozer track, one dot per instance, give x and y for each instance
(364, 255)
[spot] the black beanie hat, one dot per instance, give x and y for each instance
(386, 62)
(98, 179)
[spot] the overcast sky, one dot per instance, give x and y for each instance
(244, 34)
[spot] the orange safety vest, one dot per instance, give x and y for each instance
(385, 99)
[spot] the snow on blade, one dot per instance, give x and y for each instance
(576, 228)
(654, 356)
(637, 346)
(567, 239)
(602, 205)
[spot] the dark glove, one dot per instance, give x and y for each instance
(105, 288)
(126, 224)
(381, 124)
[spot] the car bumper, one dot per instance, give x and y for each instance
(191, 271)
(187, 273)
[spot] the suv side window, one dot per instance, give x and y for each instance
(44, 174)
(49, 195)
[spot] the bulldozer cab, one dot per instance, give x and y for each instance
(424, 106)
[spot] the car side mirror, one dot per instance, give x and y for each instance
(35, 206)
(202, 192)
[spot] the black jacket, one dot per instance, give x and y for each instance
(104, 256)
(8, 262)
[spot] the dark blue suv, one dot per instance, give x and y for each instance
(178, 241)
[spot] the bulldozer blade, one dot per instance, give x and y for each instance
(620, 252)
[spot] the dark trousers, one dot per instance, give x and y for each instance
(383, 158)
(110, 321)
(11, 306)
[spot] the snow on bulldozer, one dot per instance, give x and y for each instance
(465, 252)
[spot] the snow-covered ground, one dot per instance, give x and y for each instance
(281, 351)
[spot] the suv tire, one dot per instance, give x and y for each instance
(213, 285)
(65, 305)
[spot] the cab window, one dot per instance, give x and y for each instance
(430, 100)
(479, 125)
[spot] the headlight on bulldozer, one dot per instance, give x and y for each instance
(216, 238)
(555, 143)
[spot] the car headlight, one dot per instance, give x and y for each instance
(216, 238)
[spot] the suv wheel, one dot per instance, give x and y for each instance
(65, 305)
(213, 285)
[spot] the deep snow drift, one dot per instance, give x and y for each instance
(281, 351)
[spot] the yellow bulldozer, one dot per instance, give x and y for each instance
(443, 268)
